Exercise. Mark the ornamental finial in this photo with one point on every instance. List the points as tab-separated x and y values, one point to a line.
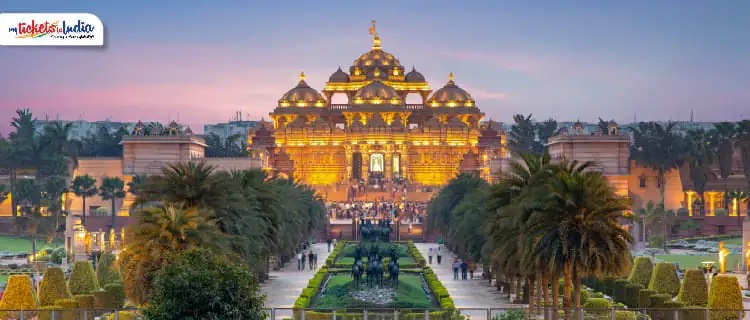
375	38
450	76
372	29
302	76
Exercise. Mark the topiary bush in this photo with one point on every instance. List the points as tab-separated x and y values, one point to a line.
585	295
632	294
665	280
726	294
106	272
669	304
656	302
618	293
68	307
82	279
18	295
694	289
53	287
115	294
643	297
643	267
625	315
598	303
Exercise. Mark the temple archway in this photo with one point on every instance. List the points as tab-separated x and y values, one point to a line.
377	166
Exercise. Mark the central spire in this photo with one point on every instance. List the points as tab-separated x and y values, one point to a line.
375	38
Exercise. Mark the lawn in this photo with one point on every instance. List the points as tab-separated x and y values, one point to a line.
17	244
401	260
3	280
410	294
694	261
734	241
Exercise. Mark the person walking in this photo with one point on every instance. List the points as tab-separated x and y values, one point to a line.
299	260
456	265
329	244
303	260
472	267
310	257
429	255
439	256
464	268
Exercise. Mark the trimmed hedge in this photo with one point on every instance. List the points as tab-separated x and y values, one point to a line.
618	293
598	303
669	304
656	302
725	294
625	315
68	307
643	297
694	289
115	294
665	280
82	279
18	295
632	294
106	272
53	287
643	267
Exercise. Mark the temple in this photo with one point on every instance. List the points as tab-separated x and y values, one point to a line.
376	137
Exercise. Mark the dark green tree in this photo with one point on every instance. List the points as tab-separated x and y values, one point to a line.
522	136
722	138
701	156
658	147
84	186
112	188
545	130
743	143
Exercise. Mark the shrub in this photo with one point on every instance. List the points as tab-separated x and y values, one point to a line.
656	302
618	293
683	212
82	279
725	294
598	303
122	315
18	295
67	306
643	267
625	315
45	313
53	287
609	285
669	304
85	301
665	280
643	297
656	242
692	313
721	212
106	272
631	294
115	295
585	295
512	314
694	289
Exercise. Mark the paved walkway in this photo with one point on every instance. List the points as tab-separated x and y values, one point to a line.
475	293
286	284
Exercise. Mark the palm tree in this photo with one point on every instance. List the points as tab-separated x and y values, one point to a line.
743	142
522	137
84	186
738	196
112	189
544	131
722	136
700	157
136	183
658	147
440	208
193	184
53	190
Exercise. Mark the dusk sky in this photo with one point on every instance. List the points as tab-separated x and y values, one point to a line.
203	60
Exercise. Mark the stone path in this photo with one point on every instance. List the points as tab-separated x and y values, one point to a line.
285	285
475	293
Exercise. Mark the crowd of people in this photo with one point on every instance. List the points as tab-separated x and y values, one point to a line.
310	257
408	212
360	187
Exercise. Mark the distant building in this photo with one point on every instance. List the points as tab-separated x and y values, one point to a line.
81	129
228	129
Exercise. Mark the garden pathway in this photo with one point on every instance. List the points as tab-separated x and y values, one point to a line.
475	293
286	284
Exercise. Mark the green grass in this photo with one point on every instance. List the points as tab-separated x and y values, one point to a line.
401	260
734	241
694	261
17	244
3	280
410	294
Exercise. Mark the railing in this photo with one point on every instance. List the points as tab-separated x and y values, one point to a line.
414	106
339	106
521	311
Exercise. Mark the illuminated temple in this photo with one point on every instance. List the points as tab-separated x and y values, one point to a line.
376	136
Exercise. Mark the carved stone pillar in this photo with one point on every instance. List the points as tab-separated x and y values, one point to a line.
365	162
425	96
349	162
388	164
329	95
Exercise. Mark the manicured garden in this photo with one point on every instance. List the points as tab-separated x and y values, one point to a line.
18	244
694	261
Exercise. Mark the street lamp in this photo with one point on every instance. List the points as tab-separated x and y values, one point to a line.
398	229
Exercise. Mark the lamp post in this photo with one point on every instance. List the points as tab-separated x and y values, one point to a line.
398	229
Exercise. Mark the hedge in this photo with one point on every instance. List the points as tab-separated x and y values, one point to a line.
656	302
53	287
694	289
68	307
609	285
106	272
85	301
632	294
669	304
618	293
598	303
725	294
82	279
18	295
643	297
625	315
643	267
115	294
122	315
665	280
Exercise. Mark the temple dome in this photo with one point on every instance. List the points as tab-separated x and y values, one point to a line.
377	92
376	58
451	95
414	76
302	96
339	76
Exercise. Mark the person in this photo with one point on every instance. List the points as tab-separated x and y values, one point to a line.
315	255
329	244
429	255
439	256
299	261
472	266
464	268
310	256
456	265
303	260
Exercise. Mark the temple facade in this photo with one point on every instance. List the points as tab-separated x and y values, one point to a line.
376	136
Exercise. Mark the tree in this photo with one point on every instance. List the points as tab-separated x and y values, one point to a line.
193	277
739	197
229	147
112	189
440	208
136	184
722	137
53	190
545	130
84	186
700	157
522	137
3	193
655	215
743	142
194	184
690	226
656	146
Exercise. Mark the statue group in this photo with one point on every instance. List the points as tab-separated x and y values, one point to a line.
375	268
370	232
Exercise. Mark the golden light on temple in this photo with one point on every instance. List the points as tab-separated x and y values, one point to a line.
450	76
302	76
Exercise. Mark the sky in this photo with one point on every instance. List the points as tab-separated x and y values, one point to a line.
200	61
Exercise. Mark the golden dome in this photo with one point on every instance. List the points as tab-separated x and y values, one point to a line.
302	96
414	76
451	95
367	63
377	92
339	76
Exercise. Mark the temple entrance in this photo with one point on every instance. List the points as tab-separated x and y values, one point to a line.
377	167
357	165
